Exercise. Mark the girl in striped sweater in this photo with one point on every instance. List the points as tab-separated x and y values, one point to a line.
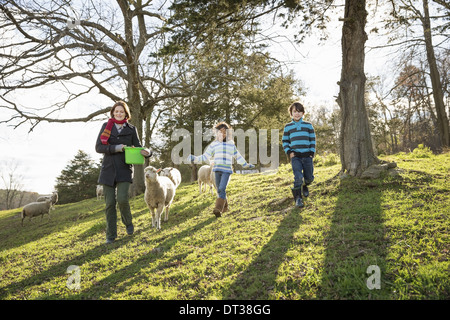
221	152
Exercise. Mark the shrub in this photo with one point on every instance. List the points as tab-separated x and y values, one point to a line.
421	152
330	159
326	160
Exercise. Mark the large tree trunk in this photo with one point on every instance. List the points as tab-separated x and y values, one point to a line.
138	186
137	120
133	92
356	149
438	96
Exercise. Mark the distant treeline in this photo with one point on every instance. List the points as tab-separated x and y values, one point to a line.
20	199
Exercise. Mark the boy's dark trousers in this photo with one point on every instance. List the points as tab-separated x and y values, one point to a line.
303	169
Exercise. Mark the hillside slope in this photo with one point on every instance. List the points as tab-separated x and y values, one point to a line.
264	248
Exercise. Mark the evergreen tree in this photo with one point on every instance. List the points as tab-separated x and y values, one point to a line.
78	179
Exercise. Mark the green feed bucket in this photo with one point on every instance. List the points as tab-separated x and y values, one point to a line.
134	156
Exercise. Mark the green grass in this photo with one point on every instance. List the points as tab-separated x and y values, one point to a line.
264	248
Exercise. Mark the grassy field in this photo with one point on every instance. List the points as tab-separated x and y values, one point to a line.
264	248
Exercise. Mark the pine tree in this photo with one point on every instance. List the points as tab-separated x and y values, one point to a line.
78	179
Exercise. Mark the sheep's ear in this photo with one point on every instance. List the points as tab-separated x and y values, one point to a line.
158	170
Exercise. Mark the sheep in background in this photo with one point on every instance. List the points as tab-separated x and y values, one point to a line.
42	198
35	209
99	191
53	198
206	177
173	174
159	194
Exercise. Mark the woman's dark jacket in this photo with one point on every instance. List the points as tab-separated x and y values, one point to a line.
114	169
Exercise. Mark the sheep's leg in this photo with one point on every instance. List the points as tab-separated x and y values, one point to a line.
152	211
166	216
158	216
200	187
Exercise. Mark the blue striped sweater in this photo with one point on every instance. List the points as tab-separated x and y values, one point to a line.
299	137
222	154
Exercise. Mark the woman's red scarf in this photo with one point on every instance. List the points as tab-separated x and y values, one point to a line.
107	132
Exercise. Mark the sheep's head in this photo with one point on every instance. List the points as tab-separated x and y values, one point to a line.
151	173
166	171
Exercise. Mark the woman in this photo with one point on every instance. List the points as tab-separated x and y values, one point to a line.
115	174
221	152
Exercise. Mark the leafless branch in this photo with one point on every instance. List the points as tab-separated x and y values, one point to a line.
106	51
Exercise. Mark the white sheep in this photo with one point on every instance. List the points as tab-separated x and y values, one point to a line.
99	191
43	198
53	198
35	209
159	194
206	177
173	174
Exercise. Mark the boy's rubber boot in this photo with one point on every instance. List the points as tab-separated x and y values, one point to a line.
220	203
305	190
297	193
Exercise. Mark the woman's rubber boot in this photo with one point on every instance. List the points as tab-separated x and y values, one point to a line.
220	203
297	193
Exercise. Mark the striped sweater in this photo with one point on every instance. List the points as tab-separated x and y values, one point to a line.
222	154
299	137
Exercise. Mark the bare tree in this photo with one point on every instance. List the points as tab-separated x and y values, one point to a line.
438	93
405	14
357	153
12	182
84	47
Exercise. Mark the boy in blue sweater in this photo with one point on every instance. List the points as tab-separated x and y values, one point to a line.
299	143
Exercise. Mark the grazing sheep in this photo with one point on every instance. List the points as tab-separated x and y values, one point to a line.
159	194
99	192
206	177
42	198
173	174
35	209
53	198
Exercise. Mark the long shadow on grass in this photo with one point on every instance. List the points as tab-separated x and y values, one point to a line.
60	269
16	235
259	278
103	288
355	242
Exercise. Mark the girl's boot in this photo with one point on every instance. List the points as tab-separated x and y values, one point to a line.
225	207
220	203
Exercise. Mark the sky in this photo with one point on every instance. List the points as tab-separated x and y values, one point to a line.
42	154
